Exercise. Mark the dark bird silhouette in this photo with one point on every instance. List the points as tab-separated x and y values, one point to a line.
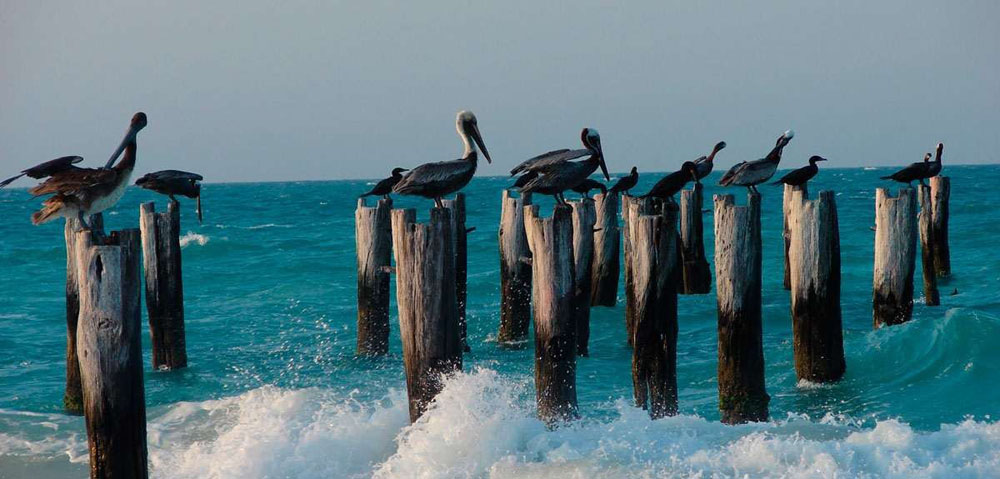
915	171
800	176
934	168
384	187
435	180
46	169
753	173
588	184
561	175
174	182
705	164
547	161
81	192
524	179
626	182
669	185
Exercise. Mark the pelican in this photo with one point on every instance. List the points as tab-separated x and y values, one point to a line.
588	184
174	182
626	183
81	192
434	180
669	185
524	179
546	161
800	176
384	187
915	171
558	174
705	164
46	169
753	173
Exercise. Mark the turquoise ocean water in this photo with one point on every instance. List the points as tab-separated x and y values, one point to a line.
274	389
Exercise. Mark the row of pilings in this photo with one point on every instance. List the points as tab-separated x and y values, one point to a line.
553	269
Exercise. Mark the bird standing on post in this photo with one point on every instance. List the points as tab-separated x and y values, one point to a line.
384	187
753	173
917	171
558	173
81	192
669	185
800	176
174	182
588	184
435	180
626	183
705	164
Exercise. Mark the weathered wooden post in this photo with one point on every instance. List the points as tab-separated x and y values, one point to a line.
110	354
460	237
928	248
654	355
940	193
742	396
630	209
551	243
425	297
515	271
695	273
584	218
814	263
607	249
161	261
373	241
73	396
895	255
786	206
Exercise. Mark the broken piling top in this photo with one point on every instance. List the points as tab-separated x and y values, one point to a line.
928	245
895	255
607	247
373	244
584	217
515	270
696	276
940	194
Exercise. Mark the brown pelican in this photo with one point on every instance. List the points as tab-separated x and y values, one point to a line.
558	174
915	171
669	185
46	169
753	173
800	176
545	161
81	192
384	187
588	184
174	182
524	179
705	164
434	180
626	183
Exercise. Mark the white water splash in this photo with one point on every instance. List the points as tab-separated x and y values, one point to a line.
192	237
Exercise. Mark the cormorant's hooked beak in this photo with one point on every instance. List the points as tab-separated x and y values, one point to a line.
821	159
129	138
479	142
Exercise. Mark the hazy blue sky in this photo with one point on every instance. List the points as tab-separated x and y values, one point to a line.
244	91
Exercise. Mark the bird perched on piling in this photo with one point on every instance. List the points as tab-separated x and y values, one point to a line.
753	173
524	179
174	182
800	176
588	184
435	180
669	185
626	182
557	174
915	171
934	168
705	164
384	187
81	192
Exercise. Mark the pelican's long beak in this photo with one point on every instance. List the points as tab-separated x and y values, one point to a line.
600	159
479	142
129	136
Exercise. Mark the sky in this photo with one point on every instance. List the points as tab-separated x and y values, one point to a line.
293	90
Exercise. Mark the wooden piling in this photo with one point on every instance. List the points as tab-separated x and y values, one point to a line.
373	242
786	234
695	273
73	396
584	218
895	255
425	297
814	263
925	227
607	249
940	194
742	396
655	271
110	355
630	209
461	240
515	271
551	243
161	261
